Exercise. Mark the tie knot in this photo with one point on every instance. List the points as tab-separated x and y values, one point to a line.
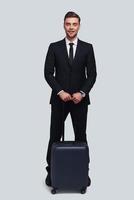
71	44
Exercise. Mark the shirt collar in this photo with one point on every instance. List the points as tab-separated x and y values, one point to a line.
68	41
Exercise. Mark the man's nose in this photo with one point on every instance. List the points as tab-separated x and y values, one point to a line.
71	26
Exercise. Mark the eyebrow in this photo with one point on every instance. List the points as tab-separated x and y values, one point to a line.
71	23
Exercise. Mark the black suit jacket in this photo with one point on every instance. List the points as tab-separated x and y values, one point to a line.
61	75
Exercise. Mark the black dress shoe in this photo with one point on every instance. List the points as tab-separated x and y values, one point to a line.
89	181
48	180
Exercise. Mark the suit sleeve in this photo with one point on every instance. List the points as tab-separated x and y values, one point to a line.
49	69
91	71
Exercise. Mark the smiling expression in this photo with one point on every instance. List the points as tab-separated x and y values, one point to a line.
71	26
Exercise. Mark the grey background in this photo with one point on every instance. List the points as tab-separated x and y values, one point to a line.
26	29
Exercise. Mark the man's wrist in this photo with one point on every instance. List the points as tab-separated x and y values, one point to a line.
60	92
82	93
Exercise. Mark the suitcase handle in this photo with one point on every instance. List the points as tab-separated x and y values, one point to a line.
63	108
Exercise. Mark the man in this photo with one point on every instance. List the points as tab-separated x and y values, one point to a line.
70	71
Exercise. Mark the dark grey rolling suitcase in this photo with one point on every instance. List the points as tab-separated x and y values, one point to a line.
69	166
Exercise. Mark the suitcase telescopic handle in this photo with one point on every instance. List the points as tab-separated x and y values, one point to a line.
63	110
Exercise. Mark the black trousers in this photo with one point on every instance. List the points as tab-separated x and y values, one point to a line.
78	114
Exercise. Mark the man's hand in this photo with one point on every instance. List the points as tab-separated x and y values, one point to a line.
77	97
65	96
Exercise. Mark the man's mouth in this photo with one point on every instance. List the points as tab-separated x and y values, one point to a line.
71	31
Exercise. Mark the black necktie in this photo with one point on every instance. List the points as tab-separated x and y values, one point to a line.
71	52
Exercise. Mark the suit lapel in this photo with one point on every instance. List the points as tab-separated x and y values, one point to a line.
77	53
64	51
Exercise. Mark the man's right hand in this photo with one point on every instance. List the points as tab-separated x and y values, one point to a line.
65	96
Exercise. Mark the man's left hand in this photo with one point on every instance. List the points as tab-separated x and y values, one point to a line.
77	97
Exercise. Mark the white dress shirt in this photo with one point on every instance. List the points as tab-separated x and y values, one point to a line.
74	46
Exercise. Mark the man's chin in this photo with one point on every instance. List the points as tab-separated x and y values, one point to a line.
71	37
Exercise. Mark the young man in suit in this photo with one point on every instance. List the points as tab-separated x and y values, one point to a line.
70	70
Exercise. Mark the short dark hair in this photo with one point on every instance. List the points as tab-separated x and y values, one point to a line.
72	14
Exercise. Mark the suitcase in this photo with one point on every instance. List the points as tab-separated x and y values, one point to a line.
69	165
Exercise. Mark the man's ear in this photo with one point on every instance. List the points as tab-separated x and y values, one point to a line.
79	26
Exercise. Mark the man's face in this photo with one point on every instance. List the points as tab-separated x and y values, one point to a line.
71	26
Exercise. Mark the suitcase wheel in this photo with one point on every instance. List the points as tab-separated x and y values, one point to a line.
53	191
83	191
